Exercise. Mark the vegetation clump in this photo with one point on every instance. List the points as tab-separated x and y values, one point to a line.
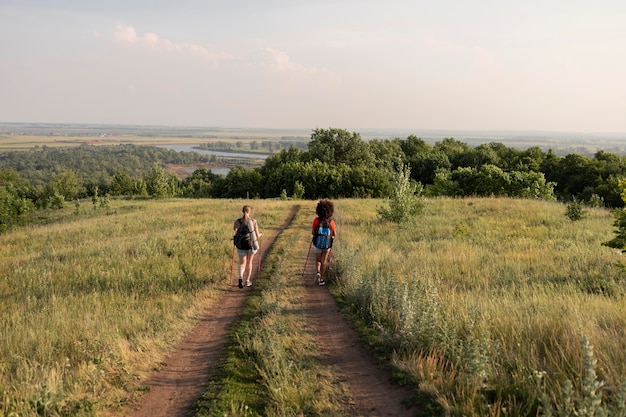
405	202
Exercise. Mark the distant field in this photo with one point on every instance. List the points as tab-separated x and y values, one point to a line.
26	135
16	136
17	142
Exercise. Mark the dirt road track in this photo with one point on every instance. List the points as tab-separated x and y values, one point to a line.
175	388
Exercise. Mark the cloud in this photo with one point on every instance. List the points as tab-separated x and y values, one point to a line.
280	61
149	40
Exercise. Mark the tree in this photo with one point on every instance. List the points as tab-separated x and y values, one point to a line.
424	166
201	184
13	208
530	184
160	184
242	183
67	184
414	146
121	184
338	146
619	241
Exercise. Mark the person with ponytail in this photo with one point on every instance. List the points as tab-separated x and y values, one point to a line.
246	224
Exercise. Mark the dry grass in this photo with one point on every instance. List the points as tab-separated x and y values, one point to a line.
91	303
490	291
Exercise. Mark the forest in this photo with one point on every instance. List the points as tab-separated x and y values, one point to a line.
337	163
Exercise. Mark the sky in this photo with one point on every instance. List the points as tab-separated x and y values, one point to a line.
539	65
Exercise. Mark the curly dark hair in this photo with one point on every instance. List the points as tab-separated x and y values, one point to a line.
325	209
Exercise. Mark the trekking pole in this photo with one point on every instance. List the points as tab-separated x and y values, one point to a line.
232	262
307	257
258	274
330	261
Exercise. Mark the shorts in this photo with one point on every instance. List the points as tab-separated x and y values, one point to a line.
244	252
318	250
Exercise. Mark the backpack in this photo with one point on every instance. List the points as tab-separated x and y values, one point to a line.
323	238
242	238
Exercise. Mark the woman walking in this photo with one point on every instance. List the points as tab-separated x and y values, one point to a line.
246	237
324	231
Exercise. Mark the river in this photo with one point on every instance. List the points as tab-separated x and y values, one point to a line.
225	154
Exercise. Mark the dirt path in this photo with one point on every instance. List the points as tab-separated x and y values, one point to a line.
369	383
174	389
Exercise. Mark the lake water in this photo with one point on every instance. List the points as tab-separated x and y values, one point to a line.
190	148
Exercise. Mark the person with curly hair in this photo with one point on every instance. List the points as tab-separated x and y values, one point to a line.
324	210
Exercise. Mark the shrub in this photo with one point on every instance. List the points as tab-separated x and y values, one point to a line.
575	211
406	201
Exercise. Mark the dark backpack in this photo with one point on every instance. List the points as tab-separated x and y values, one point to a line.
242	238
323	235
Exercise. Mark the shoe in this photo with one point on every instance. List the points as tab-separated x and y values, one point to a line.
322	282
240	283
248	283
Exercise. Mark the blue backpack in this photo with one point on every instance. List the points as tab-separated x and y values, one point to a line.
323	235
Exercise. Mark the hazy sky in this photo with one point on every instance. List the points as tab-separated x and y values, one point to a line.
554	65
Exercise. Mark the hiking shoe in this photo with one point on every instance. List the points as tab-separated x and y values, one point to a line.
248	283
240	283
322	282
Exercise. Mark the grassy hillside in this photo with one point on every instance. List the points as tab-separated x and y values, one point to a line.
485	303
491	305
91	301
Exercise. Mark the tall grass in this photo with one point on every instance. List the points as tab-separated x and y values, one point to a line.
479	296
91	302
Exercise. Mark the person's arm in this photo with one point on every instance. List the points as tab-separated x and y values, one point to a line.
256	230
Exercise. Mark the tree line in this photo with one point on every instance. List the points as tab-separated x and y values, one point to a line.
337	163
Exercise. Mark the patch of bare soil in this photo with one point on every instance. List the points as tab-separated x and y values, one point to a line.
175	388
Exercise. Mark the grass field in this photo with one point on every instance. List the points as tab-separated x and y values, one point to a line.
489	304
485	303
16	137
91	302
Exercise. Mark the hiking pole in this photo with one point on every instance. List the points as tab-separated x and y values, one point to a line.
258	274
307	257
330	261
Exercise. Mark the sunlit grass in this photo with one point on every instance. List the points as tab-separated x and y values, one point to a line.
91	302
473	300
488	291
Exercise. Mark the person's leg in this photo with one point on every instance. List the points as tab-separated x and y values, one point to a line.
249	258
242	268
321	266
318	259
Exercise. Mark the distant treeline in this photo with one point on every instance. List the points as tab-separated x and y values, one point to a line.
269	146
336	164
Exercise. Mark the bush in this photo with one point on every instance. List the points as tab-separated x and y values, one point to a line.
575	211
406	201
